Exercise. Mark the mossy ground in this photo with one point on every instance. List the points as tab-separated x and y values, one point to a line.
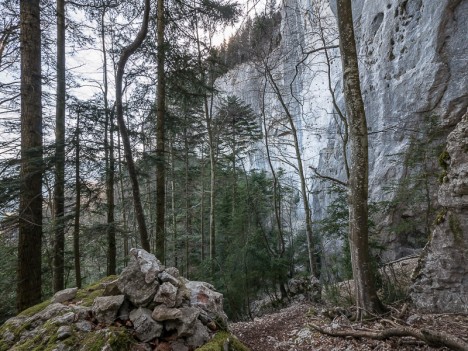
117	338
220	339
46	337
89	293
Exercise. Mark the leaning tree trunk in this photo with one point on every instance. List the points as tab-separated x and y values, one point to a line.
313	257
59	186
160	140
367	301
124	56
30	207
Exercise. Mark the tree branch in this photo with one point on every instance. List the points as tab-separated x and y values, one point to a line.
334	180
430	337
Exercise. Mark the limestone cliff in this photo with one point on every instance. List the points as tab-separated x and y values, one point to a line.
414	81
442	279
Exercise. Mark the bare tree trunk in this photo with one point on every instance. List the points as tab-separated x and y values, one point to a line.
173	207
124	56
212	188
160	139
308	214
76	226
276	199
126	249
110	162
30	207
212	155
188	219
202	206
367	301
59	186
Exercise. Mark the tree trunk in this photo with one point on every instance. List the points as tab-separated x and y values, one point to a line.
300	169
212	190
276	193
160	139
367	301
126	249
175	252
124	56
212	155
76	226
110	162
202	206
188	218
30	207
59	197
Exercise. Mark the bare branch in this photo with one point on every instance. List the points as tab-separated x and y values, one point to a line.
430	337
334	180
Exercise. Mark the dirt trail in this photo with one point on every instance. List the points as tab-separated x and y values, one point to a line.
287	330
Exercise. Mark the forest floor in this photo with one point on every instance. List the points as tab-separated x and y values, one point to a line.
289	330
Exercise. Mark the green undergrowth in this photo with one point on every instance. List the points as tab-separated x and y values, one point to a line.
221	339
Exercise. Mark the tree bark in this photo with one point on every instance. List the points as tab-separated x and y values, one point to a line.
160	139
76	226
30	208
124	56
59	186
110	162
367	301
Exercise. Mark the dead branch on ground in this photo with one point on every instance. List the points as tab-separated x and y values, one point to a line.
430	337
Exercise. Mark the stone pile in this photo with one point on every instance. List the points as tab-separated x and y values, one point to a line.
148	307
161	304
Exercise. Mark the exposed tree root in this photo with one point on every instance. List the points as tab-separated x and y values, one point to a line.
432	338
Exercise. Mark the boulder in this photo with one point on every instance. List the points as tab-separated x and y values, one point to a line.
133	283
66	318
148	264
163	313
112	288
105	308
166	277
173	271
64	332
204	296
200	335
166	294
146	328
64	295
84	326
185	325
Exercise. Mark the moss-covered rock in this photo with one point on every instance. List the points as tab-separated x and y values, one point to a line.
224	341
71	324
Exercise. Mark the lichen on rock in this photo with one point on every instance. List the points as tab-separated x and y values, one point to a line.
146	305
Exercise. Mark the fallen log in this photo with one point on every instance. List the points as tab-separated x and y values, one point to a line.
430	337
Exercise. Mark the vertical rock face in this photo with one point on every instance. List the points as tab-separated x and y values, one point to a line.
441	283
413	78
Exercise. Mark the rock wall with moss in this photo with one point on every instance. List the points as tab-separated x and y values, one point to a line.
148	307
441	283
